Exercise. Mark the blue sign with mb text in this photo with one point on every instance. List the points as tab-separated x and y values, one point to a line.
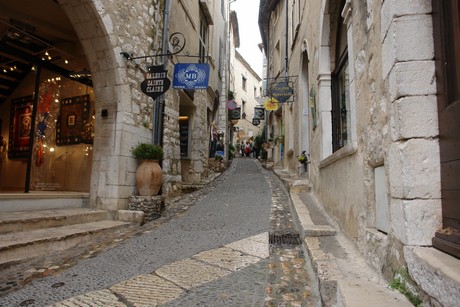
191	76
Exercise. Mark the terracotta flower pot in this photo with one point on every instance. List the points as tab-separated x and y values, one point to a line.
149	178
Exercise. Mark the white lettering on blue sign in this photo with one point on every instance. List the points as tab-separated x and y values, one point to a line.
191	76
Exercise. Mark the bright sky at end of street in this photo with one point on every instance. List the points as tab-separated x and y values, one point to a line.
248	24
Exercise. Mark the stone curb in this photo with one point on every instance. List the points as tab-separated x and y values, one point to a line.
340	278
339	269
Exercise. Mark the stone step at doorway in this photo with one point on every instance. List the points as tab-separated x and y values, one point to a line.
28	234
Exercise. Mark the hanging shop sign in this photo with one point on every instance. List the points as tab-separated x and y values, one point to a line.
281	91
191	76
234	114
259	113
231	105
271	104
156	81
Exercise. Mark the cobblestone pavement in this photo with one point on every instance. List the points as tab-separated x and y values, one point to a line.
210	248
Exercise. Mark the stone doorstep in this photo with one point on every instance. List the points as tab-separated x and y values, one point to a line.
24	245
33	220
42	200
437	273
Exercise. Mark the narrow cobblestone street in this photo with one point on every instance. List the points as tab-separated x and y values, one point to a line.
210	248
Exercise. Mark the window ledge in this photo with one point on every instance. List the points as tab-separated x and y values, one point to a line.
343	152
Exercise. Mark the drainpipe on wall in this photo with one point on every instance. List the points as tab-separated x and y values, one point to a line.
286	63
159	105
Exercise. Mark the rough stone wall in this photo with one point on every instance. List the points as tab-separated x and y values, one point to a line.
106	28
187	21
394	125
200	137
171	165
413	155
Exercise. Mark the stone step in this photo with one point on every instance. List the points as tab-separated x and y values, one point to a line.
42	200
32	220
344	278
300	186
19	246
352	294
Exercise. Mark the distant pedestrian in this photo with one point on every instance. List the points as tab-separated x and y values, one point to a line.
248	149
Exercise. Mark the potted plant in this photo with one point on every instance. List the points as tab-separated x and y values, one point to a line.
149	175
279	140
302	158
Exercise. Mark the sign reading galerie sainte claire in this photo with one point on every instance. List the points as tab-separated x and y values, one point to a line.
191	76
281	91
156	81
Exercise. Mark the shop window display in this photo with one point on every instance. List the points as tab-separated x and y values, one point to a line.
62	137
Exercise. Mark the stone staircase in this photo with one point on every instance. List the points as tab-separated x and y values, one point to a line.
28	234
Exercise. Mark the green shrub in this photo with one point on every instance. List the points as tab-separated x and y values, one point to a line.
145	151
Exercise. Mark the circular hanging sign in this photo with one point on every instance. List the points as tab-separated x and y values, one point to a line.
232	105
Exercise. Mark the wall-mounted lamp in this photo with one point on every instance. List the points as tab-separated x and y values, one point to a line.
127	56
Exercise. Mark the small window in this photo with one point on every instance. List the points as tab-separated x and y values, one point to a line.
184	129
203	39
341	90
243	82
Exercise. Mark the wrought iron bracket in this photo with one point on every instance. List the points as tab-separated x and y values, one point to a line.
177	43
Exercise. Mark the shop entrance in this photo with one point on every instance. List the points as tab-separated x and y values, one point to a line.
46	101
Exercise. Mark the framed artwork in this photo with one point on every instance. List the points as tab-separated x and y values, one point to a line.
20	127
73	117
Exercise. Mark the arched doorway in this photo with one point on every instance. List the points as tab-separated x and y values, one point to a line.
47	100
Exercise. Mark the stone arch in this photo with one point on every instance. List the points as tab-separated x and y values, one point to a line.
93	22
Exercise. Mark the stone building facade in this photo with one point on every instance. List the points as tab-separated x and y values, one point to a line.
369	107
112	44
246	94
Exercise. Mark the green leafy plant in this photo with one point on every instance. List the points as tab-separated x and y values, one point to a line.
400	283
218	157
279	140
145	151
231	151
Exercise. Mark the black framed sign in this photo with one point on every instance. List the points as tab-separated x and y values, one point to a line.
73	117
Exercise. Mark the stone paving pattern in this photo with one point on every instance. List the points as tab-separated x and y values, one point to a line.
210	248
